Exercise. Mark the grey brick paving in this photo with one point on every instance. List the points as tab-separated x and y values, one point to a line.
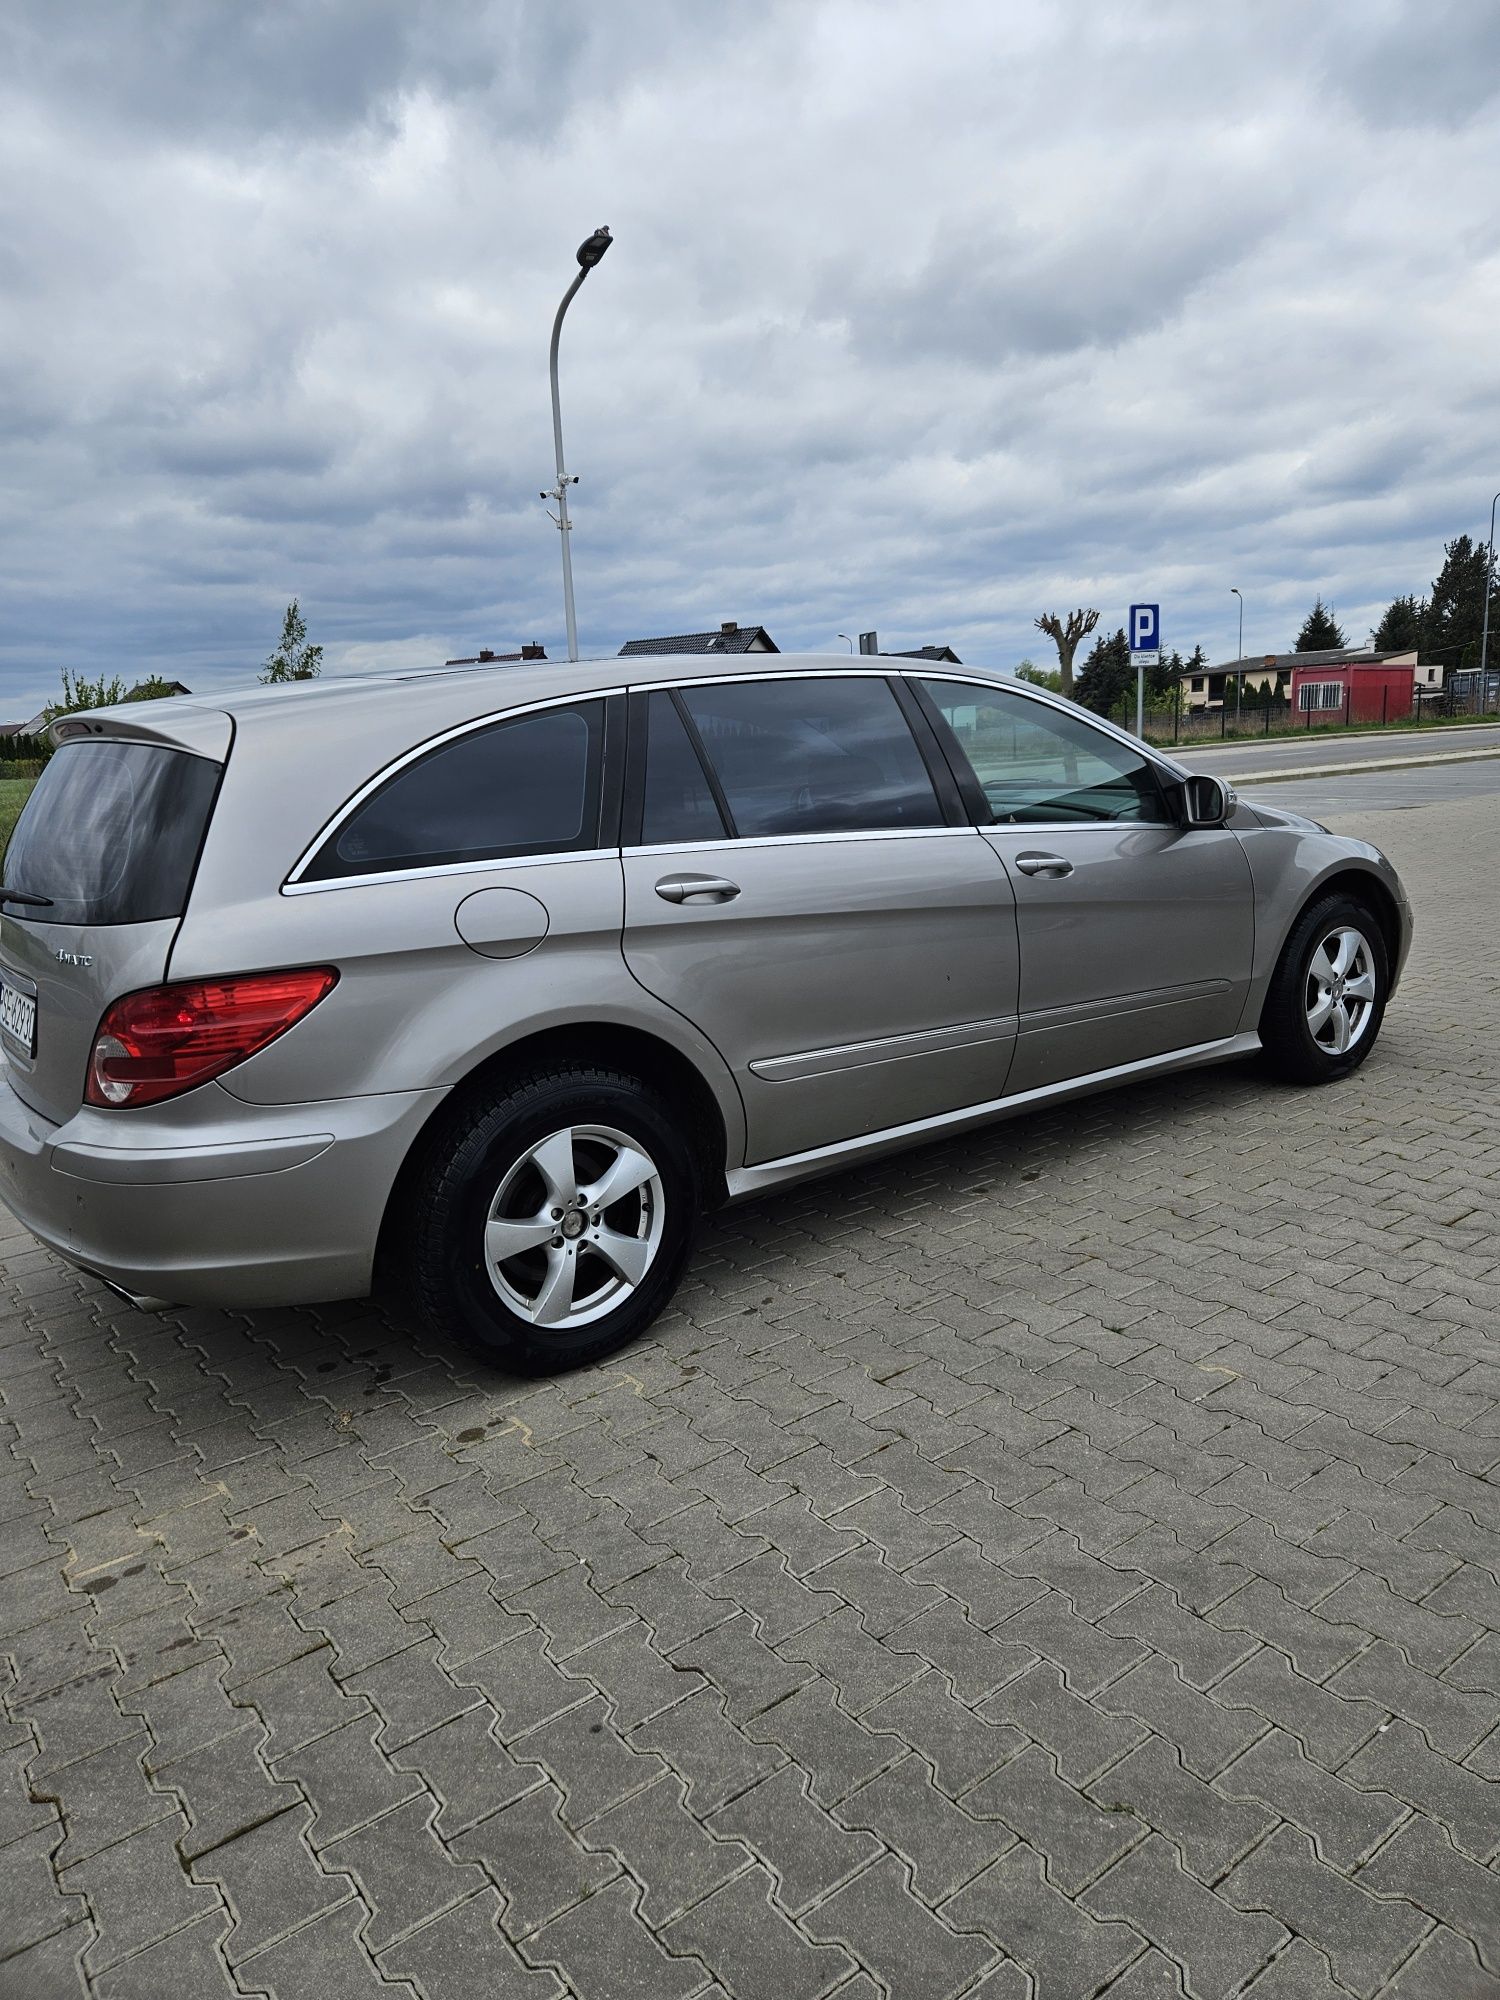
1059	1563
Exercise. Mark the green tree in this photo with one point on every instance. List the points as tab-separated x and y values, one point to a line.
1039	676
1320	632
1402	625
79	693
1455	610
1106	677
294	659
1065	634
1162	680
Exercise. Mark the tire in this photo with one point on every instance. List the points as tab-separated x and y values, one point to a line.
504	1252
1316	1029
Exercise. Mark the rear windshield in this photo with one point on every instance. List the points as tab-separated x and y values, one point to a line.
111	834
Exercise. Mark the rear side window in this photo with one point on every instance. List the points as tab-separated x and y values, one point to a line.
813	756
111	833
1039	765
526	786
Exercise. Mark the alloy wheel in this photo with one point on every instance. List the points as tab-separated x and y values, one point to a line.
575	1226
1340	990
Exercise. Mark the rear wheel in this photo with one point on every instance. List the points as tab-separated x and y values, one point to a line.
552	1219
1327	996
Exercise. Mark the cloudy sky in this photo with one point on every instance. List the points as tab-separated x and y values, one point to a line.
924	317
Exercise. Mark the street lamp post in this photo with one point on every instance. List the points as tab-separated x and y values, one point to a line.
1239	679
589	253
846	639
1489	585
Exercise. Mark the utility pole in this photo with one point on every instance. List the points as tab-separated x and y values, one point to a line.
1239	659
589	253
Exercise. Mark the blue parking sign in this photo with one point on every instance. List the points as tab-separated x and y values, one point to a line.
1145	628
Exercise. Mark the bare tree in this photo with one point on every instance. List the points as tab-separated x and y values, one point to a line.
1065	634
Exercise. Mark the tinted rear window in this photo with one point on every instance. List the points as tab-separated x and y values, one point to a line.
111	833
813	756
526	786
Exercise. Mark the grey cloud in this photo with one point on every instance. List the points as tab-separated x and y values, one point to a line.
925	318
190	68
305	69
1000	288
1430	66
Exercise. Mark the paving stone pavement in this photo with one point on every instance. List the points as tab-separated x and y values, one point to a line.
1056	1563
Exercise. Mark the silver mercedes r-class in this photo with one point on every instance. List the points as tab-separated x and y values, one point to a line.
490	983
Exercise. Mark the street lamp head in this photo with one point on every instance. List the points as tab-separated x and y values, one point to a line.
593	248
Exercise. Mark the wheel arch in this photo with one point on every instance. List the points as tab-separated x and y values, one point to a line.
611	1044
1366	887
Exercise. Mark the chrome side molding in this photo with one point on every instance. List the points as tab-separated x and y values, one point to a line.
744	1181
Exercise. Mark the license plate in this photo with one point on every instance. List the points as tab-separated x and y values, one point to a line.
18	1017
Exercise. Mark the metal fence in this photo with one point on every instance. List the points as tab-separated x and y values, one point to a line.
1170	723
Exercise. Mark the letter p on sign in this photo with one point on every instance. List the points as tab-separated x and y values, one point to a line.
1145	628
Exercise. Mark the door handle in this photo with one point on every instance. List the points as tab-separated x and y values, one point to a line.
1043	864
696	889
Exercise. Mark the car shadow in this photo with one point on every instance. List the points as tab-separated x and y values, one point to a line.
355	1354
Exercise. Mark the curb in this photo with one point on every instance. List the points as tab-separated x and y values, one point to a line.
1359	770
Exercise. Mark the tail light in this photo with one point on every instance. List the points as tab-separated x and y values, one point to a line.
157	1043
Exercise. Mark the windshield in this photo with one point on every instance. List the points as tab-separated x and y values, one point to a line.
111	834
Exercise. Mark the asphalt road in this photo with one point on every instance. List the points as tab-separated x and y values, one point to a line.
1285	753
1376	790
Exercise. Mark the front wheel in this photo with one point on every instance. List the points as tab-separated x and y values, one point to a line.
1327	996
552	1219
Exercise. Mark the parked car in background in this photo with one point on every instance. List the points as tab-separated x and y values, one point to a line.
492	982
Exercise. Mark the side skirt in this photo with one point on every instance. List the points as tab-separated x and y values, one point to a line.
745	1181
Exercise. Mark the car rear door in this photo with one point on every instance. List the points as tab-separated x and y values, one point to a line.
1136	934
798	885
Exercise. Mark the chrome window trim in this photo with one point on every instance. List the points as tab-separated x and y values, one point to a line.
440	868
724	843
891	833
829	673
1062	826
887	671
330	827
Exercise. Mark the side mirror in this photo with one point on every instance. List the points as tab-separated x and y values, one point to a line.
1204	801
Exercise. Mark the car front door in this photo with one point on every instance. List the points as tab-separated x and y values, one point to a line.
799	883
1136	933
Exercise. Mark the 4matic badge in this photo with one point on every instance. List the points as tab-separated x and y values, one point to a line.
74	957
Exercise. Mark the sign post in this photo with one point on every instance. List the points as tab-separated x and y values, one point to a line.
1145	651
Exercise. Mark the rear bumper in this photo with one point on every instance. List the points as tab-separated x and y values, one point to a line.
214	1201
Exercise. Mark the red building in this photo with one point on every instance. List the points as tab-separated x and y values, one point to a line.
1353	691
